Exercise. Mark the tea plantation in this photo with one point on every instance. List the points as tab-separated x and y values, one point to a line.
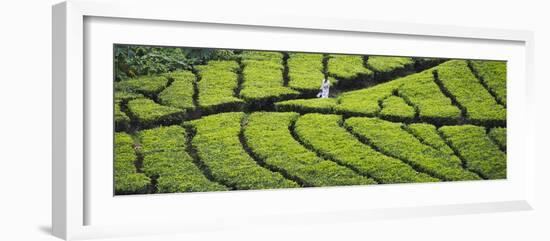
253	122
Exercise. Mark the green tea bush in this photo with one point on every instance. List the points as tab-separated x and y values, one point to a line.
122	121
148	113
268	136
498	134
480	106
176	172
126	178
493	73
180	93
386	67
324	134
125	155
396	109
149	86
305	72
166	160
429	135
218	146
276	57
348	69
217	85
134	183
263	78
366	101
319	105
475	147
124	96
422	63
390	138
162	138
422	91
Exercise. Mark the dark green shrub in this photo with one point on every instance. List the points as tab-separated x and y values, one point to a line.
475	147
480	106
324	134
493	73
122	121
305	72
148	113
217	85
390	138
421	63
180	93
268	136
135	60
219	148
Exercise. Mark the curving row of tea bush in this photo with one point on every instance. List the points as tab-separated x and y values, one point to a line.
149	86
324	134
395	108
349	70
137	96
219	148
180	93
479	152
305	72
386	67
493	73
390	138
126	178
498	134
460	82
269	138
217	85
267	150
148	113
263	81
166	160
428	135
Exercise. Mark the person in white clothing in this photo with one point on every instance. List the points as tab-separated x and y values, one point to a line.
325	89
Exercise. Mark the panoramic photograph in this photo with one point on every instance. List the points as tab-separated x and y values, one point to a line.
204	120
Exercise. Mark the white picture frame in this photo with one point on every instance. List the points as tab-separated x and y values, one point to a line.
74	198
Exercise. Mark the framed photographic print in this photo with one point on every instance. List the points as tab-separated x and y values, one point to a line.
206	122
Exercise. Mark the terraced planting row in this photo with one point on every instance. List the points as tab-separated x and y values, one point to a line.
266	150
446	94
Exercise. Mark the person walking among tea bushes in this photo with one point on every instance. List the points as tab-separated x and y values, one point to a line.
325	89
